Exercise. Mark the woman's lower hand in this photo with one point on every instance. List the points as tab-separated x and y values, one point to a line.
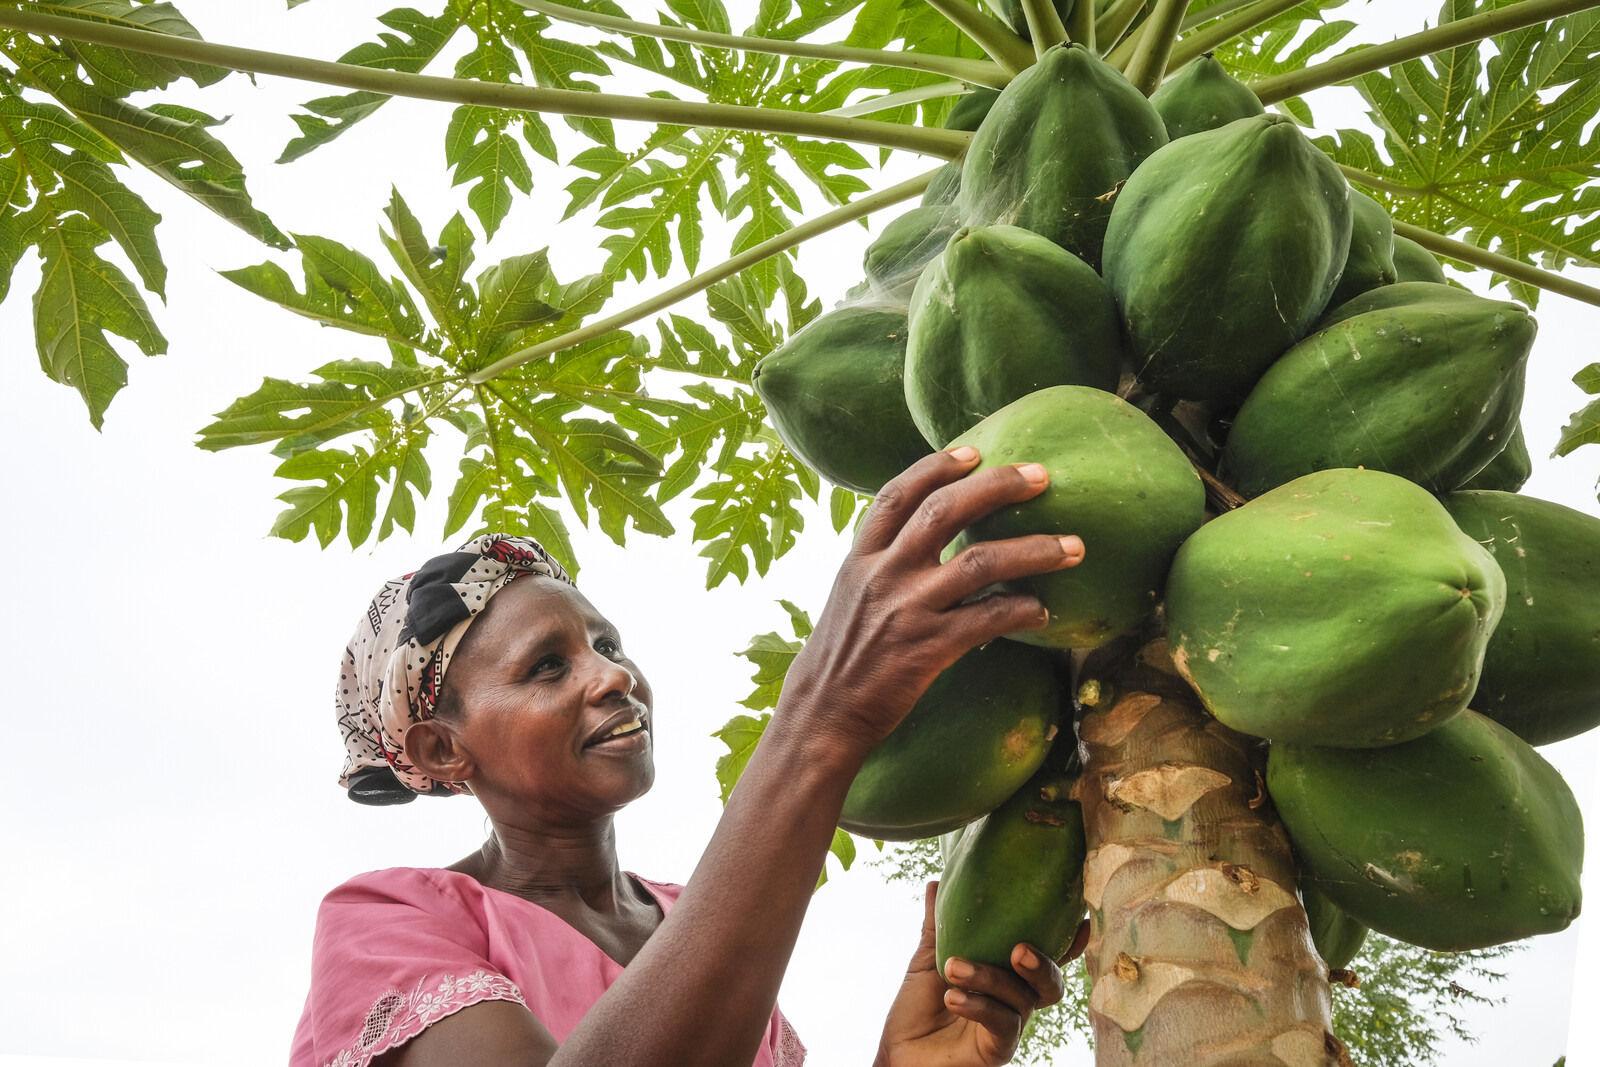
897	616
974	1020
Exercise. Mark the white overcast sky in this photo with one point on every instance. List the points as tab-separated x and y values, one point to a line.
173	820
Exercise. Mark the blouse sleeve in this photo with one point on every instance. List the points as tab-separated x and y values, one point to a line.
394	952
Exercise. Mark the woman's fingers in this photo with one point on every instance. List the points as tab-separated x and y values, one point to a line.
1041	974
951	508
983	564
1000	985
1003	1022
897	501
1080	941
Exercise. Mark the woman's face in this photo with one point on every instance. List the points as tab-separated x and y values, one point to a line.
556	717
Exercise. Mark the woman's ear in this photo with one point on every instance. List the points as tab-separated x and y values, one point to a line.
433	748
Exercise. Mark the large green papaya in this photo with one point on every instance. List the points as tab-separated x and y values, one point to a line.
1420	380
1460	839
1222	250
1344	608
1116	481
943	187
1203	96
836	394
980	731
1541	673
1059	139
1507	472
908	244
1336	936
1370	262
1001	313
1014	876
1413	263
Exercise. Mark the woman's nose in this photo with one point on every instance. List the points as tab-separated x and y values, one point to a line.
609	677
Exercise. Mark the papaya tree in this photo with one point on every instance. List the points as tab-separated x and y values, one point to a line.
1479	151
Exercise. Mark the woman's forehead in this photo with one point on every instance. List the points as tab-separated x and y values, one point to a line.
534	606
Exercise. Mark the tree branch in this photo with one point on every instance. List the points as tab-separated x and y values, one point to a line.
998	41
974	71
1109	28
1449	35
711	276
1505	265
900	99
1225	29
1083	28
1044	24
1149	63
945	144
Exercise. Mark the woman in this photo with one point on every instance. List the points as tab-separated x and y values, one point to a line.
515	955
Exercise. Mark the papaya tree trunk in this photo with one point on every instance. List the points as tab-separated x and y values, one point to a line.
1199	950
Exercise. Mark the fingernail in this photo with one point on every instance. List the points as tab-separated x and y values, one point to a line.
958	970
965	454
1072	547
1029	960
954	997
1034	472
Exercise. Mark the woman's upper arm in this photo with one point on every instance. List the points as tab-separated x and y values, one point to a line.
490	1033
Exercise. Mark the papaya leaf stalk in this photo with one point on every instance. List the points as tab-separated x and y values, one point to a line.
1109	28
1503	265
1083	26
1226	29
1149	62
944	144
900	99
998	41
1361	61
977	71
707	278
1044	25
1214	11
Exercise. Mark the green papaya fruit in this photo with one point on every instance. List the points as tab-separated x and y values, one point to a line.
1116	481
1371	259
1507	472
1059	139
944	186
1222	250
1001	313
1336	936
1460	839
1014	876
836	394
970	110
1011	12
1541	672
1203	96
1420	380
908	244
1344	608
980	731
1413	263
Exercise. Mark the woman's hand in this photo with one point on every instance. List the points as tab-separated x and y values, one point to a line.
975	1020
897	617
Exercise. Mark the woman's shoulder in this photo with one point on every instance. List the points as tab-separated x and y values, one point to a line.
427	888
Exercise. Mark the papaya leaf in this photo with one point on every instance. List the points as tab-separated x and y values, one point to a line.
510	301
351	487
1583	429
117	71
692	429
480	143
555	64
798	618
81	298
741	734
436	271
421	38
842	507
843	849
382	305
1501	152
814	158
608	164
751	516
764	193
670	214
88	186
1588	379
302	413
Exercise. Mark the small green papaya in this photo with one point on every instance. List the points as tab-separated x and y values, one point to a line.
970	110
1014	876
1507	472
1371	259
1541	672
1116	481
908	244
1001	313
1222	250
1203	96
1344	608
980	731
1336	936
1420	380
1413	263
1460	839
836	394
1059	139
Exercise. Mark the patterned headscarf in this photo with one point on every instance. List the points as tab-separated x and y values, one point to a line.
394	668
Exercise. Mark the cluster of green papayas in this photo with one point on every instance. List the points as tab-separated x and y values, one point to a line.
1153	296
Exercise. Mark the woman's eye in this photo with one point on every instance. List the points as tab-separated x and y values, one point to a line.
607	646
549	663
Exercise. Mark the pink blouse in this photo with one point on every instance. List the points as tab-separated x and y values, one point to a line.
399	949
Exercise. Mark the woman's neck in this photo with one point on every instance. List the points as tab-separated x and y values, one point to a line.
546	866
